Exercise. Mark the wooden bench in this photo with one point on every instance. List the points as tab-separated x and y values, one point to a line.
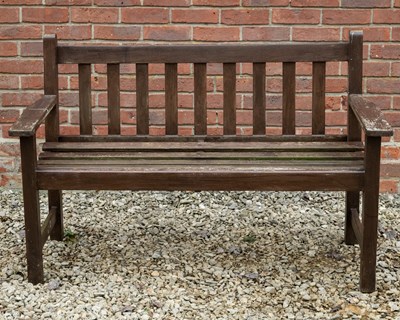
290	162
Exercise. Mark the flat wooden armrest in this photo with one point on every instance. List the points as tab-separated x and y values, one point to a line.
370	116
32	117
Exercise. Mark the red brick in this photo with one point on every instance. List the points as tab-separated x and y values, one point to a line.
20	32
396	69
390	152
144	15
65	32
315	34
8	49
376	69
216	34
390	169
42	15
9	82
166	33
383	86
265	3
315	3
19	99
397	3
94	15
162	3
20	2
31	49
9	15
385	51
117	32
8	115
21	66
365	3
195	16
117	3
290	16
266	33
387	16
393	118
388	186
216	3
68	2
370	34
396	34
245	16
348	16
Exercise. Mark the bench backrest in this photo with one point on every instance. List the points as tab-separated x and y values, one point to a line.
201	54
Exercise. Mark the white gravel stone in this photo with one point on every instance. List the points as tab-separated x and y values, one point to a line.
198	255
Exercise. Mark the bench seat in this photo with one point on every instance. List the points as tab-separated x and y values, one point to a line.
201	165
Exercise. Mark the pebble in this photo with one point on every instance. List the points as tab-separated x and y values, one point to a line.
198	255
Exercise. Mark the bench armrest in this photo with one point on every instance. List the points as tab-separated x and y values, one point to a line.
369	116
32	117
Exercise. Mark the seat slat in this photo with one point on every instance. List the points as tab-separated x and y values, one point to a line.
202	146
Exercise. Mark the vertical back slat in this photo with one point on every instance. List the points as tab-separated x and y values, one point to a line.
142	98
113	95
289	91
171	98
85	103
355	81
258	98
318	98
51	84
200	98
229	74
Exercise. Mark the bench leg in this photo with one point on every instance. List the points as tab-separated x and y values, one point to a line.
352	202
370	215
55	200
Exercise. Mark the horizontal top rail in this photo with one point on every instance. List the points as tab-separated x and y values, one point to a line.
205	53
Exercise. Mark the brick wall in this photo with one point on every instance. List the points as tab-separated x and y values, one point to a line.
23	23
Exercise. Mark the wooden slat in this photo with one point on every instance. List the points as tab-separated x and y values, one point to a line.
33	116
318	98
85	96
201	178
203	138
357	225
205	53
370	116
201	146
202	155
48	224
113	95
171	98
50	77
289	104
142	98
200	98
229	75
355	81
259	98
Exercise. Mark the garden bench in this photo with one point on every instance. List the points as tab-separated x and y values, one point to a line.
286	162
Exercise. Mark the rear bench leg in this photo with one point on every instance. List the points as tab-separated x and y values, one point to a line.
55	200
352	202
370	214
34	248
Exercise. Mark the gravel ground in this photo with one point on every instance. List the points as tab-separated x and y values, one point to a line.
205	255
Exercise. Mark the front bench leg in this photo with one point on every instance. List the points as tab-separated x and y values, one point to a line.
370	214
352	202
34	247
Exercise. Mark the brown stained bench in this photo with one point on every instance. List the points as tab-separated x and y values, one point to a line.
202	162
